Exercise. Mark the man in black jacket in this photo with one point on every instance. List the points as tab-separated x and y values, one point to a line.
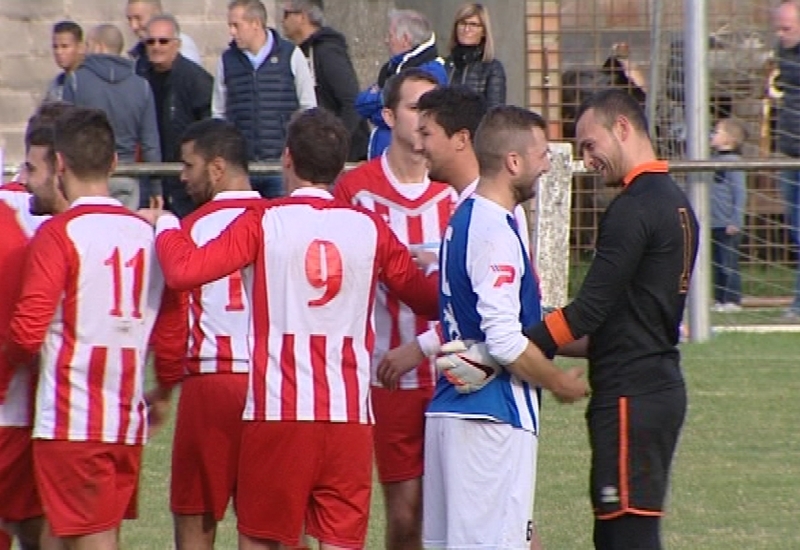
335	81
182	91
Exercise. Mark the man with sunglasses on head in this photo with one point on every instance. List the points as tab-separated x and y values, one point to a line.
182	93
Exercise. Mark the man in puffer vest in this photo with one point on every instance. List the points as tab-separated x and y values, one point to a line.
261	81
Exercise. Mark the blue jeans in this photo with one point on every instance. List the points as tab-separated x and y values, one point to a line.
790	191
725	261
269	187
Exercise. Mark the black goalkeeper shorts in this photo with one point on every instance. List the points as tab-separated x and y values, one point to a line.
632	447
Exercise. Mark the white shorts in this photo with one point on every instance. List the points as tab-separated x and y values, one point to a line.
477	490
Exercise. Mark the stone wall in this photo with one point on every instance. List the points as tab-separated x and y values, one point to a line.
26	63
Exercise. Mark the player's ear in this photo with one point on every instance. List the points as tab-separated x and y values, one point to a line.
462	139
61	165
114	162
512	162
388	116
216	168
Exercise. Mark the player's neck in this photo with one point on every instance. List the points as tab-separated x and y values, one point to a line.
463	172
497	192
75	190
236	184
406	165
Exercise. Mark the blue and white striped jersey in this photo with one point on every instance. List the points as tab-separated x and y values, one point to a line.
487	292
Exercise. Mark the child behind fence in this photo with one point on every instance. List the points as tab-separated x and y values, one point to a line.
728	198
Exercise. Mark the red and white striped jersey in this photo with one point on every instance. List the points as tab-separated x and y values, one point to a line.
16	384
15	195
91	295
418	215
220	334
315	263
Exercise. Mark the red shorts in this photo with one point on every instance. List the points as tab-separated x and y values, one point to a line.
86	487
317	474
19	499
205	452
399	432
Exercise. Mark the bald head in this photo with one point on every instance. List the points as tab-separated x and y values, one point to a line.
786	23
106	39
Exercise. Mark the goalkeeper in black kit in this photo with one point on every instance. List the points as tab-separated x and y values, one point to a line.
630	306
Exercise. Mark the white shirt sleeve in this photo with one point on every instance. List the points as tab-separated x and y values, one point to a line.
219	92
303	82
429	342
189	49
496	267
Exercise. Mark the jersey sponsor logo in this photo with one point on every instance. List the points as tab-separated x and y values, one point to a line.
505	274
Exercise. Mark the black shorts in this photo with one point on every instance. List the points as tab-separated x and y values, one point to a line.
632	447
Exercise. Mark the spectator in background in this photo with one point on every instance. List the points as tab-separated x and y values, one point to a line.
262	79
182	93
786	20
412	43
106	81
471	62
335	80
139	13
68	52
728	199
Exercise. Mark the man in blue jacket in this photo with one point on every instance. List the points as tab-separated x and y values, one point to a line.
107	81
412	43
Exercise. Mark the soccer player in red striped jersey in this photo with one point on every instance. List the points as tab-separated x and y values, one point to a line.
397	187
208	426
306	455
21	213
90	296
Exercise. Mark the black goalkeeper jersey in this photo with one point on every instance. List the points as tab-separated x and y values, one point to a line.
632	300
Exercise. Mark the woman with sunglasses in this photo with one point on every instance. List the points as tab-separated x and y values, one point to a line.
471	61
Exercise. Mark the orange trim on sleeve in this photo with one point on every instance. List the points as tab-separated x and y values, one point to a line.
653	166
559	329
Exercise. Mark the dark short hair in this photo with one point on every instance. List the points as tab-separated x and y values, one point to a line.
504	129
319	144
39	131
391	90
611	103
85	139
217	138
71	27
454	108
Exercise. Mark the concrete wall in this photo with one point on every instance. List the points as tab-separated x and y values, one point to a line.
508	30
26	63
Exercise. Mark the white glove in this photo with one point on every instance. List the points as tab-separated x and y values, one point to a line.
467	365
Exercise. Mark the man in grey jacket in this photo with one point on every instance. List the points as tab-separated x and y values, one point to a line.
107	81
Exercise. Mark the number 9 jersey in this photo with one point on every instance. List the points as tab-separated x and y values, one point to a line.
315	263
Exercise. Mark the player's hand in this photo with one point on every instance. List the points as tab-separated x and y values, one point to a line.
158	403
573	386
467	365
151	215
157	202
397	362
731	230
425	258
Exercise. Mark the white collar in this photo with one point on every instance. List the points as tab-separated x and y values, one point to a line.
312	192
95	200
467	192
225	195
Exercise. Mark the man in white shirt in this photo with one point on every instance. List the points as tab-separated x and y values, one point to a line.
261	80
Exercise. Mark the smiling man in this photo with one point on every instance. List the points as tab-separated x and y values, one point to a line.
182	93
630	305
